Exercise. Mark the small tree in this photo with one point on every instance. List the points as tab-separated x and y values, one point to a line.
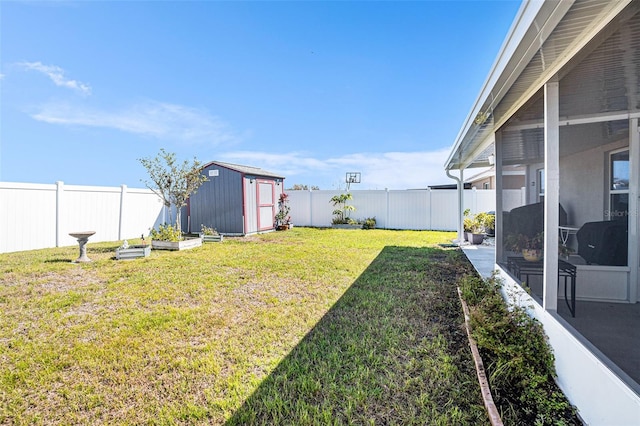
173	182
341	213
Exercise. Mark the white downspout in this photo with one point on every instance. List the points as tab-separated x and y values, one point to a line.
460	186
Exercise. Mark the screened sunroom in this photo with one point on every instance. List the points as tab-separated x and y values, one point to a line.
563	102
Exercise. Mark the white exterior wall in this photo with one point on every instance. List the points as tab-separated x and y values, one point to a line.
34	216
611	402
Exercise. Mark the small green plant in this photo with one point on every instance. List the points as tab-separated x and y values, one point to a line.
341	213
518	358
467	222
488	222
369	223
479	223
166	232
205	230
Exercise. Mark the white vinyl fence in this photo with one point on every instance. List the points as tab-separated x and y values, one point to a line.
34	216
428	209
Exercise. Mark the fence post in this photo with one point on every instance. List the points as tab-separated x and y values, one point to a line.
387	220
59	206
123	191
430	209
310	207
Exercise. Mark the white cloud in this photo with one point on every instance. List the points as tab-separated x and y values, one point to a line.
56	74
392	170
154	119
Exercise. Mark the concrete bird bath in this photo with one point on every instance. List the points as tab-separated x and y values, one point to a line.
82	237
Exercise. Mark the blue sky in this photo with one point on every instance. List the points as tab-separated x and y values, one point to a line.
310	90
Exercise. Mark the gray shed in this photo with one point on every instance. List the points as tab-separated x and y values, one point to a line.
236	200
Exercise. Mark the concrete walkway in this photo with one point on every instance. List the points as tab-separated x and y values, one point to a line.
482	257
608	329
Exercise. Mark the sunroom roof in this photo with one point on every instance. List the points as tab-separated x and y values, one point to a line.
544	38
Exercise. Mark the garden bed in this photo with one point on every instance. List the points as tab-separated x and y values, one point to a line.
186	244
133	252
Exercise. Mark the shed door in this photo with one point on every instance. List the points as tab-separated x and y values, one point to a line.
266	204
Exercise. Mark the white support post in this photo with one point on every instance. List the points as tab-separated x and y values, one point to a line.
633	236
552	194
499	201
461	204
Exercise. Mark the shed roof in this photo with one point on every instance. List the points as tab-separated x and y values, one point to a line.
247	170
543	39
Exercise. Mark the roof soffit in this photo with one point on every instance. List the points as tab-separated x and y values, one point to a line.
553	37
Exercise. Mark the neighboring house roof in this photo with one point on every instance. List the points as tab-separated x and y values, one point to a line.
247	170
467	185
543	40
507	170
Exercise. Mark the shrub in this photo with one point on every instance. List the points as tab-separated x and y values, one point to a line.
206	230
369	223
517	356
166	232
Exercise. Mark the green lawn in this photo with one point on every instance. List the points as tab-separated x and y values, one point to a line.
306	326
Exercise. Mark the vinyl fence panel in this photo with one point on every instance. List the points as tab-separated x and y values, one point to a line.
87	208
27	216
513	198
409	210
396	209
34	216
141	211
444	211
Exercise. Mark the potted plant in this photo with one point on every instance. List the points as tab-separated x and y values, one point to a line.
488	221
210	235
476	233
169	237
530	247
283	219
467	224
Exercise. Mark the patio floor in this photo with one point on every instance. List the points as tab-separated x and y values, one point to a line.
610	330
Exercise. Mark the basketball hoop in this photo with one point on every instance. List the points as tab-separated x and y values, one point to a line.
352	177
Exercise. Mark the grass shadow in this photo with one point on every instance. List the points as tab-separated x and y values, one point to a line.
391	350
59	260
